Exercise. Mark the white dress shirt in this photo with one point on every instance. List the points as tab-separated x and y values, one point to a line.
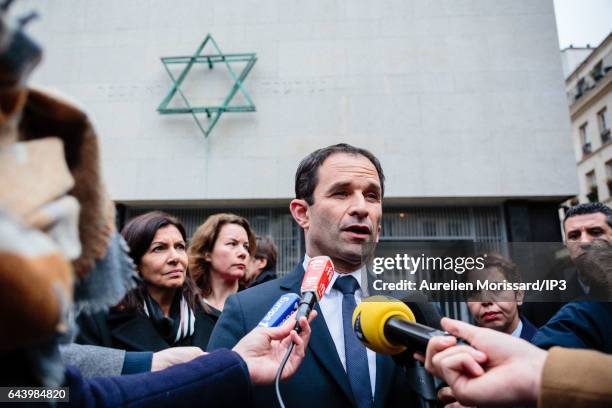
331	308
518	330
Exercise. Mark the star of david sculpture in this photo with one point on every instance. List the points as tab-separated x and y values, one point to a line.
213	112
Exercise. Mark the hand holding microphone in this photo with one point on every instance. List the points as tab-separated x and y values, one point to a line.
268	348
513	366
264	347
317	276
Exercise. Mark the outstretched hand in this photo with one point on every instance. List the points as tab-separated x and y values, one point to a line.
497	369
264	348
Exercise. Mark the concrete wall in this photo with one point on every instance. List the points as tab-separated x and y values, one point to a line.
457	98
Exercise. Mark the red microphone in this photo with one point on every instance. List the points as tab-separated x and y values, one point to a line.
318	273
316	279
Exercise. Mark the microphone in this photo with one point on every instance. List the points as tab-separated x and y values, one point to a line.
388	326
284	306
316	279
317	276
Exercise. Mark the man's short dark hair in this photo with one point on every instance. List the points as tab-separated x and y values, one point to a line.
589	208
306	176
266	249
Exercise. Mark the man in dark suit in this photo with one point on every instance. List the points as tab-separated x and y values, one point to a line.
585	324
339	191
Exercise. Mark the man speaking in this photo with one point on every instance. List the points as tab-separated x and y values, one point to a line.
338	203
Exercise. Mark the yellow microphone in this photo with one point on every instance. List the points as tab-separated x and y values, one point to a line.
388	326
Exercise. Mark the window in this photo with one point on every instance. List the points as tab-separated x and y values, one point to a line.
591	185
584	139
454	229
597	71
580	88
604	125
429	228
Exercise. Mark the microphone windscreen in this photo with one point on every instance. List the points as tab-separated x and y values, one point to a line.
370	317
280	311
317	276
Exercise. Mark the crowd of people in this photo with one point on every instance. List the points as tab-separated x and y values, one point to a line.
152	317
186	301
115	318
206	297
193	296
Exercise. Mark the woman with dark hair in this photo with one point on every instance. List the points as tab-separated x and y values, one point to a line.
218	257
165	308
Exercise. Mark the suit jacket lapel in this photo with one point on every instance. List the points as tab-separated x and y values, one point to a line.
321	344
385	371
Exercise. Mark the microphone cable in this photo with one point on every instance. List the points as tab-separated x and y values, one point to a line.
279	397
317	276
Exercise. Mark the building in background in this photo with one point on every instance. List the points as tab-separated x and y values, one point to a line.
572	56
463	102
589	92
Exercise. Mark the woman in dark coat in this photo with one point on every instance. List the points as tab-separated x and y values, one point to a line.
165	309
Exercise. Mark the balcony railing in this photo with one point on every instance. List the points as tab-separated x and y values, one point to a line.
586	148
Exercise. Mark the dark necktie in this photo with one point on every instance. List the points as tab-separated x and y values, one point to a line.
354	351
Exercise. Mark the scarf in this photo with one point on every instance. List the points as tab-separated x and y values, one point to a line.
178	325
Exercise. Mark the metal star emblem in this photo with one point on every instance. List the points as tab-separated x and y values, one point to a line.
212	112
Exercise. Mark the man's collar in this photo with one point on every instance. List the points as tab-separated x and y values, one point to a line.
585	288
518	330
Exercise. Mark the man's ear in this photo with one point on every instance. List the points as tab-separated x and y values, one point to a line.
300	211
261	263
378	233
